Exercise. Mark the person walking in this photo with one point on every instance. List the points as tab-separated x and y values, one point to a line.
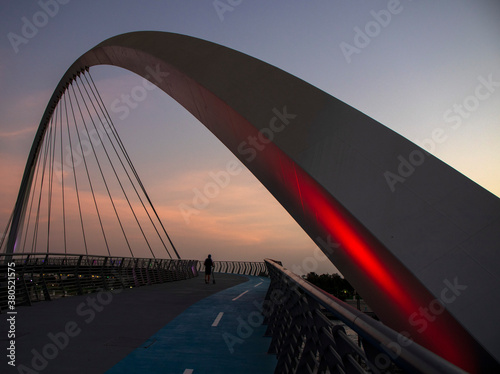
209	264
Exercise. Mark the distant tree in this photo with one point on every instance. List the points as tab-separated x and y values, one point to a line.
333	284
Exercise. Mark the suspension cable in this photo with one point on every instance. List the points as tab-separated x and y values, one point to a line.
62	181
86	166
44	205
31	199
4	233
74	169
42	182
51	179
116	174
129	161
104	122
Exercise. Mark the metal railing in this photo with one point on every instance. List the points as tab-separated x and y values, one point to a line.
306	341
39	277
237	267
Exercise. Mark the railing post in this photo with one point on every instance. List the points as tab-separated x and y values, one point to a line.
59	275
195	265
161	271
78	279
148	272
120	273
23	280
44	284
134	273
103	273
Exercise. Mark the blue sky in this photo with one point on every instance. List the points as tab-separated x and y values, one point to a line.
428	70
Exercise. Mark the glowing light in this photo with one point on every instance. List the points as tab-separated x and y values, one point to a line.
364	250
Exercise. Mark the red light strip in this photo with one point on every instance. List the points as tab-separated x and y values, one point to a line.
362	250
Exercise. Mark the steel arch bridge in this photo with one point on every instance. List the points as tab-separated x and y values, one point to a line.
417	239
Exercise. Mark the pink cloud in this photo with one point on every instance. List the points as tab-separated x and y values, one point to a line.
21	132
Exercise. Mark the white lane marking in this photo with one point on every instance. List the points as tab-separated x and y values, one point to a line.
237	297
188	371
217	319
258	284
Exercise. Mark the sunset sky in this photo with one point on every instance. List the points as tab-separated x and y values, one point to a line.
429	71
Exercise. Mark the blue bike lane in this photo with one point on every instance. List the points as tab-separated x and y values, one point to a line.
219	334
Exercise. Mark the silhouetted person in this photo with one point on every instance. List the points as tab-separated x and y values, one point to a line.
208	268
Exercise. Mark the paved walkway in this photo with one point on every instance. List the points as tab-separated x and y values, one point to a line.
99	332
220	334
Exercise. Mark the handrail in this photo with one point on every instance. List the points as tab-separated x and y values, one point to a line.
238	267
45	276
410	356
51	254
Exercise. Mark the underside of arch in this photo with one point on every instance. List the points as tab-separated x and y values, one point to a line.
417	239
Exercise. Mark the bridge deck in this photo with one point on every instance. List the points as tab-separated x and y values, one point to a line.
163	328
